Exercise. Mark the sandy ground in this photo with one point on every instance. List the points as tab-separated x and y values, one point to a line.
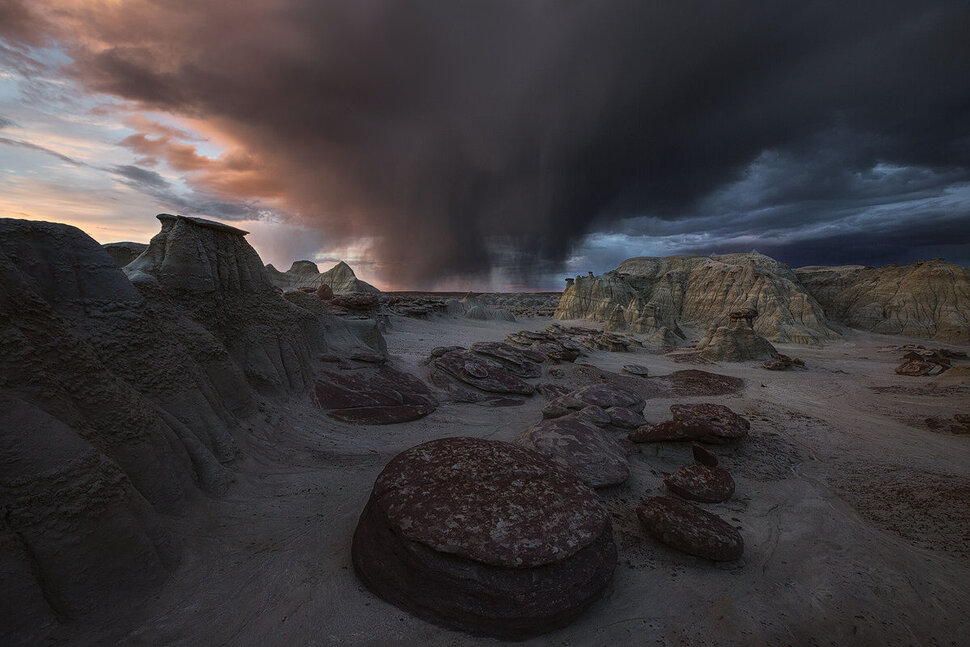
855	515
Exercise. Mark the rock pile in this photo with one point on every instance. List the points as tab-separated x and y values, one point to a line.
505	544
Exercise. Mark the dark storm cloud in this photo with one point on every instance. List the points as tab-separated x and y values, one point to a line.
463	134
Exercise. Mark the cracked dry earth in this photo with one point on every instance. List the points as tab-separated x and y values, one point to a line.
855	518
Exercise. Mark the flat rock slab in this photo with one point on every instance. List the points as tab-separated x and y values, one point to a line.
521	362
578	444
374	396
701	483
636	369
485	537
625	418
481	372
686	527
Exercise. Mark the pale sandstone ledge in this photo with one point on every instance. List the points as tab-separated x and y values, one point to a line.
928	299
650	294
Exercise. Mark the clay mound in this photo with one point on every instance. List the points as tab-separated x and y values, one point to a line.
647	294
928	299
306	275
736	342
121	397
505	544
577	443
124	252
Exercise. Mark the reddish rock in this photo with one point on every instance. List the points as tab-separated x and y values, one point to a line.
325	292
916	368
505	544
686	527
481	372
701	483
661	431
703	383
374	396
703	456
578	444
711	423
777	363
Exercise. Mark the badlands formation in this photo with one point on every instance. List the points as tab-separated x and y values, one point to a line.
694	450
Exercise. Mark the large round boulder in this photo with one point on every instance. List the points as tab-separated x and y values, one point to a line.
484	536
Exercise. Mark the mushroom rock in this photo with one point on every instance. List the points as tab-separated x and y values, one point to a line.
505	544
578	444
688	528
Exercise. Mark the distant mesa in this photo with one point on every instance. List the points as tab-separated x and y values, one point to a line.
306	275
657	295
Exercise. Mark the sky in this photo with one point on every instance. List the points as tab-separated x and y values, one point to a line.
496	144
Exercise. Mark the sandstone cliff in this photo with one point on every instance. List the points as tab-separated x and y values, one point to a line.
928	299
646	295
306	274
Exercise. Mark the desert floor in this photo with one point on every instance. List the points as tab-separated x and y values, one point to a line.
855	515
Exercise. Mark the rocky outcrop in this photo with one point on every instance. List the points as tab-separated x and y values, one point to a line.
122	393
647	295
688	528
306	275
929	299
504	544
125	252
